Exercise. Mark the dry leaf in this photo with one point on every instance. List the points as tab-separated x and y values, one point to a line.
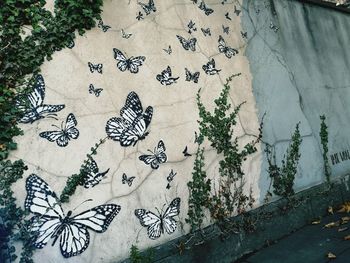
345	208
330	255
332	224
347	237
342	229
316	222
330	210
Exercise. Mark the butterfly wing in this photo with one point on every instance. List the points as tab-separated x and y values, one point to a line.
115	127
192	44
70	130
135	62
169	223
132	108
97	218
160	154
74	240
183	42
75	237
55	136
43	202
151	221
94	179
150	160
122	64
222	45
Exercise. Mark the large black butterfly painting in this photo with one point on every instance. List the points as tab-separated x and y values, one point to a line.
36	109
132	125
49	220
65	134
132	64
157	157
163	222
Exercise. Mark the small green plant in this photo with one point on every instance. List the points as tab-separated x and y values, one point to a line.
324	143
199	189
137	257
78	179
283	177
218	128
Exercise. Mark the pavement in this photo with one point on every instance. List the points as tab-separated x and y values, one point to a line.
310	244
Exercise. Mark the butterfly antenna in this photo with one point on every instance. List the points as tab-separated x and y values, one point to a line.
53	125
88	200
52	116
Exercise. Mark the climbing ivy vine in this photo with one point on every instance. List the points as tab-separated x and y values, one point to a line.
218	128
29	35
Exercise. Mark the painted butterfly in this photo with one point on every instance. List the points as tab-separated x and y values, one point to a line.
157	157
165	77
49	220
65	134
210	69
225	29
192	76
125	35
207	10
95	67
127	180
185	152
236	11
223	48
132	64
158	224
93	90
189	44
244	34
148	8
103	26
133	124
168	50
37	109
170	178
206	31
227	15
191	27
93	176
139	16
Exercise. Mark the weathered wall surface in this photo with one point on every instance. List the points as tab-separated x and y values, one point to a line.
293	67
299	65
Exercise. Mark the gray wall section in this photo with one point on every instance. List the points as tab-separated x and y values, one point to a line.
299	61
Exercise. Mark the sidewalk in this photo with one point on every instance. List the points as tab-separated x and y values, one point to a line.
311	244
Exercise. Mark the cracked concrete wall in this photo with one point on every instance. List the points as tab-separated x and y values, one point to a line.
299	63
283	75
174	121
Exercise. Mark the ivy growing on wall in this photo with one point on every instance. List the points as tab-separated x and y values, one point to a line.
324	143
283	176
218	129
29	34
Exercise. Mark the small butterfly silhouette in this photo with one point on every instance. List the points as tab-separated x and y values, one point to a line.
225	29
206	31
192	76
210	69
165	77
125	35
236	11
170	178
244	34
127	180
185	152
139	16
191	27
168	50
207	10
103	26
95	67
93	90
228	16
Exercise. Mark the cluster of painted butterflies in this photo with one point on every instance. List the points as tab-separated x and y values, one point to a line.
33	108
147	8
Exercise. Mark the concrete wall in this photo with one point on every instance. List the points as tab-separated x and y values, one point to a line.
294	68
